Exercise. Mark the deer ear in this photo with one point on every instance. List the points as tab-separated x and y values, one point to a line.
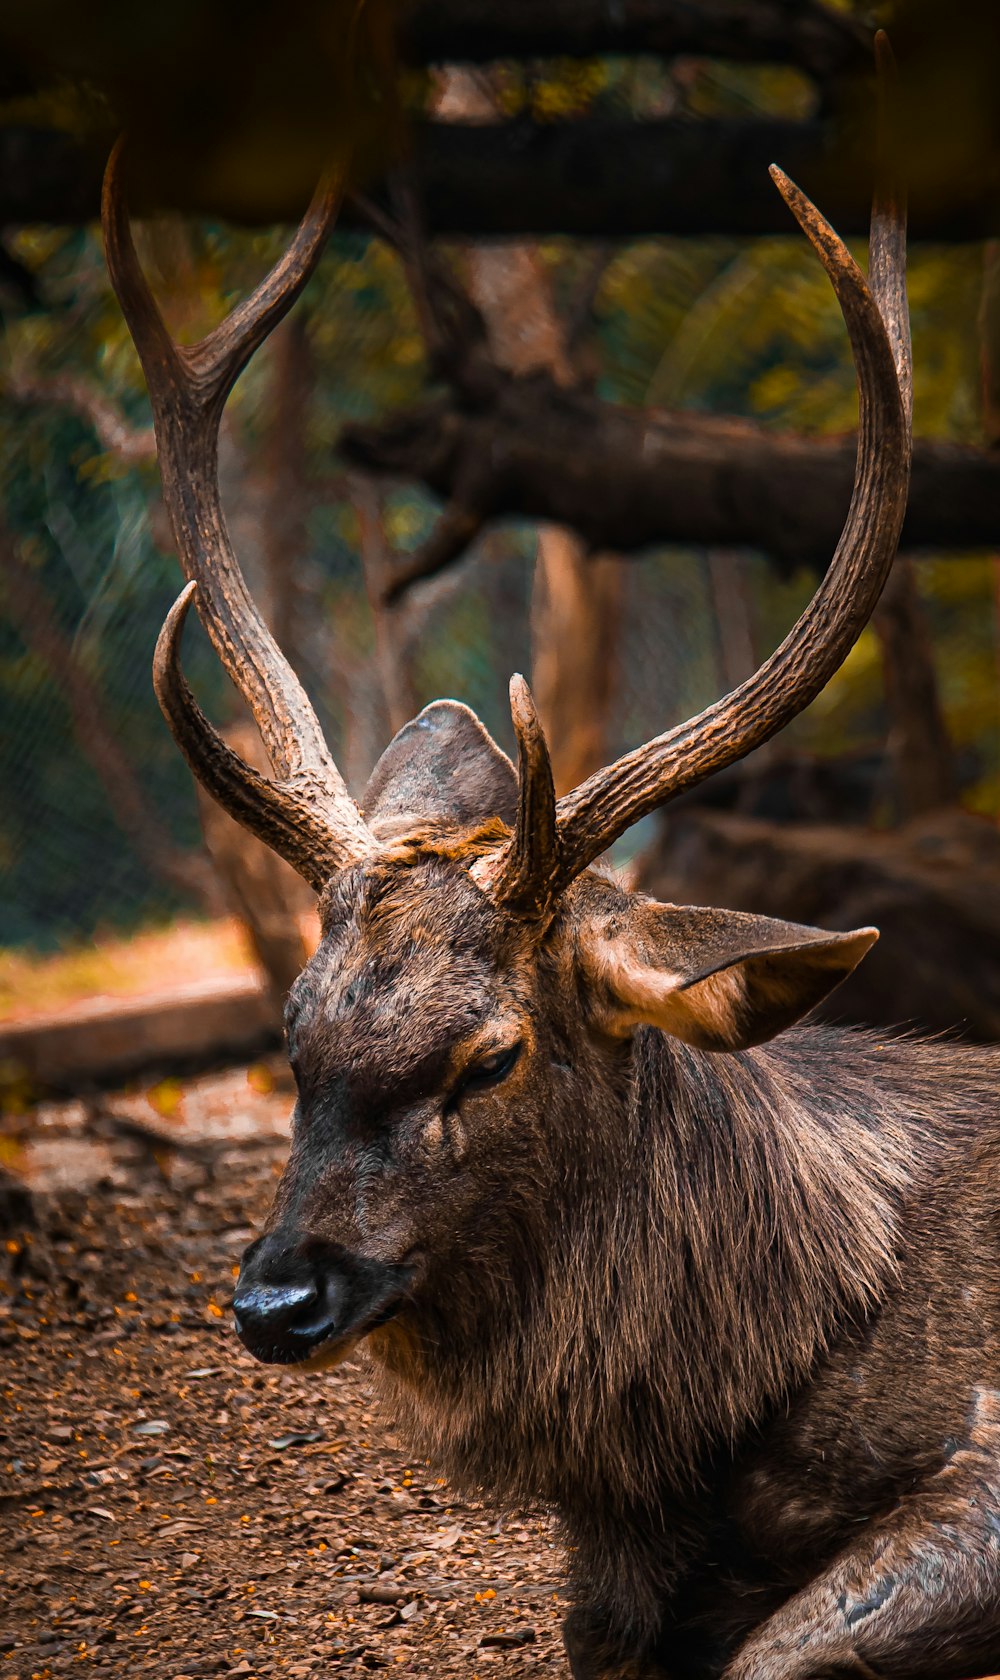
442	767
718	979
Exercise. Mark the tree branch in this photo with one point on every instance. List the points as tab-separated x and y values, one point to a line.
628	478
801	32
594	179
456	528
452	328
130	443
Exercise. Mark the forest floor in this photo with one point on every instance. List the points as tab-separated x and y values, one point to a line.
125	966
167	1506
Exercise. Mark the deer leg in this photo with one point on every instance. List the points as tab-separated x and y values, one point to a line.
916	1597
595	1654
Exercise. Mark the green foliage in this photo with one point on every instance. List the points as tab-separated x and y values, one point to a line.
714	325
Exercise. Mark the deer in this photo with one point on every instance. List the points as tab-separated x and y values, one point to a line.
626	1235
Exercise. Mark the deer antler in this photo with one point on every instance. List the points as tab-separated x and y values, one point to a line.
594	814
524	882
307	815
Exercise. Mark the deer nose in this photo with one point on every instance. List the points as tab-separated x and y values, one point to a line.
285	1303
296	1293
272	1306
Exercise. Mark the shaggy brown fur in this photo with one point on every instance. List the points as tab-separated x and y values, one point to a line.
735	1318
697	1266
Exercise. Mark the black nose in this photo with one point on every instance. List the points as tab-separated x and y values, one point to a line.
277	1306
286	1302
295	1294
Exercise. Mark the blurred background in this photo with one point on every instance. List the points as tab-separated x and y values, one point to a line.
568	394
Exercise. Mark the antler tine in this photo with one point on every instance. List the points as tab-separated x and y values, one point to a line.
280	817
228	348
601	808
145	323
524	881
188	387
216	362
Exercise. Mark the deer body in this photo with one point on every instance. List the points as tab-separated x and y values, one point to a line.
713	1451
720	1293
719	1312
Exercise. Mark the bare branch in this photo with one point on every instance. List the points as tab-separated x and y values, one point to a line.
130	443
626	479
810	34
456	528
451	326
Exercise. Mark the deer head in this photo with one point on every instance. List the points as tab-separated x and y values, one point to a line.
467	1021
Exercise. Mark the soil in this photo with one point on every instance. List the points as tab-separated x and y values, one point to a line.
169	1508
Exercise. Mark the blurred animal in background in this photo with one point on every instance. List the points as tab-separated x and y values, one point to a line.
623	1238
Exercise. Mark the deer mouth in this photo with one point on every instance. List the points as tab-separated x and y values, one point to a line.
333	1350
309	1304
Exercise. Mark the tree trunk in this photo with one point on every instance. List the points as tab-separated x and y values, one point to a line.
628	478
575	614
393	653
918	745
263	891
269	496
576	620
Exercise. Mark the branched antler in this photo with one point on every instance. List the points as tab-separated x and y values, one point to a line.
307	814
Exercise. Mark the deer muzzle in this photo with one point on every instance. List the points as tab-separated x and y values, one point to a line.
299	1300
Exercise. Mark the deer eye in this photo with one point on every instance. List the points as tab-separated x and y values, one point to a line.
490	1070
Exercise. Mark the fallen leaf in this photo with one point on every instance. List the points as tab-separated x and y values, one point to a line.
382	1592
166	1097
509	1641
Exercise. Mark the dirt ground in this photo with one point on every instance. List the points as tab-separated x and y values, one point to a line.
170	1508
